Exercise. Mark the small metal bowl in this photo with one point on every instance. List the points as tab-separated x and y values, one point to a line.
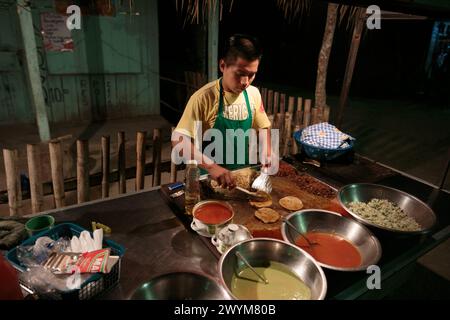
181	286
259	251
413	207
330	222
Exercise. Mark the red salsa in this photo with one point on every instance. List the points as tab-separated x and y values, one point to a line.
213	213
331	250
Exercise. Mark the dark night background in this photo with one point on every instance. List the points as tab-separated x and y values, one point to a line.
390	61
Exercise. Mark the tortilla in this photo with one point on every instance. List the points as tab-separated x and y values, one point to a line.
291	203
267	215
256	203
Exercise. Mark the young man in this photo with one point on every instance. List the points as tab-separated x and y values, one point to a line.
227	104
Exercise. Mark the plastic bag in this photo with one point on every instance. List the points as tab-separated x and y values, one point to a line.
43	281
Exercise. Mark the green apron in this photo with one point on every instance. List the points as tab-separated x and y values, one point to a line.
222	124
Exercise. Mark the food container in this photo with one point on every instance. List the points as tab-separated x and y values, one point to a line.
411	206
331	223
260	252
229	236
210	216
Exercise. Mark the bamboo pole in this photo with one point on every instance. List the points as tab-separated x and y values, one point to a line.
35	174
56	163
105	166
121	160
140	160
173	166
11	159
157	146
82	171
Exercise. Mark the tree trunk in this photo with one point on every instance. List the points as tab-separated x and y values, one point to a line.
324	56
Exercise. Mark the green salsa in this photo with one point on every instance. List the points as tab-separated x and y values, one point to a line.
283	284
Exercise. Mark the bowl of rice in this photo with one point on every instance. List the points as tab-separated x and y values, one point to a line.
386	208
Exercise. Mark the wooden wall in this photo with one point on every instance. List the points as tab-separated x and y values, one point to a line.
113	71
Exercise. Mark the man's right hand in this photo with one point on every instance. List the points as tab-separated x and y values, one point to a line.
222	176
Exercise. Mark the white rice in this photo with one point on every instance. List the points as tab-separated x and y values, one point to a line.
385	214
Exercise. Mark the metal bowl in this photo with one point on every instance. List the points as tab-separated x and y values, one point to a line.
364	192
181	286
259	251
331	222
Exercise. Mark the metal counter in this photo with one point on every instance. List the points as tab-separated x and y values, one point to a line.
155	240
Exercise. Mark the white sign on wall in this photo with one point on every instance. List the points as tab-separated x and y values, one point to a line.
57	37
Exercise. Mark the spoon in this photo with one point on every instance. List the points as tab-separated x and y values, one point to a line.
298	231
239	255
260	196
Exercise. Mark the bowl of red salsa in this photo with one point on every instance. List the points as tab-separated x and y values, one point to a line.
211	215
341	243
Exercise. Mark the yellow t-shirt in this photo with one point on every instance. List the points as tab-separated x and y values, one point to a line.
204	105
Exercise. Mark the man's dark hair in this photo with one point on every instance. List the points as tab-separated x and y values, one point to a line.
241	46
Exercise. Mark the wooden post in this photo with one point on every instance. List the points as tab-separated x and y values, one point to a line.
56	163
121	164
173	167
157	146
294	147
291	105
213	39
105	166
282	103
287	133
271	119
270	102
82	171
11	158
307	113
314	115
276	102
32	68
264	97
351	60
34	172
306	119
326	114
299	104
140	160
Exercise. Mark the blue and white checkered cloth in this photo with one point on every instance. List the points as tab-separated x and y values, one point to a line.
325	135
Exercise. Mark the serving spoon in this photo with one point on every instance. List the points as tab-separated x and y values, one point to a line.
240	256
310	243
